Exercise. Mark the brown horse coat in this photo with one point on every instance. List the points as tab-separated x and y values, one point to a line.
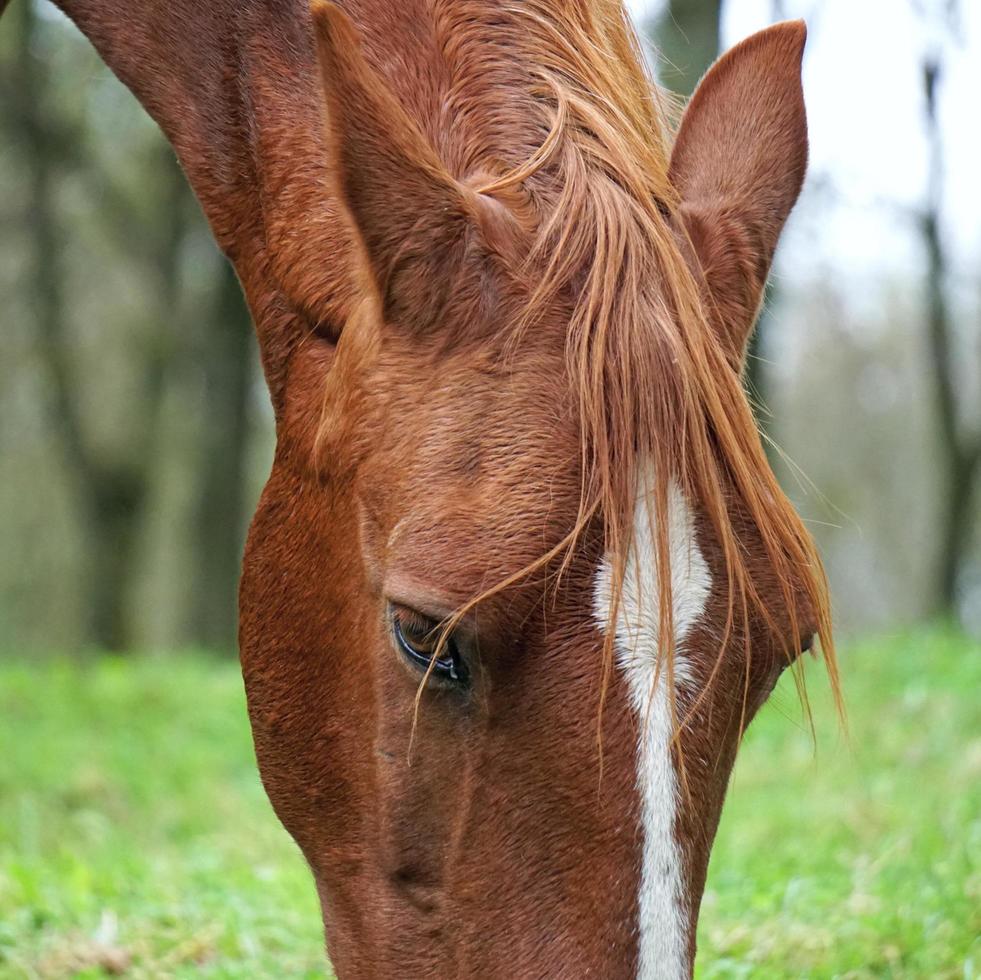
502	322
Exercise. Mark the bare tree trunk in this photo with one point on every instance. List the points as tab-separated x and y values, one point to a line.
113	505
755	375
222	507
107	498
960	450
111	489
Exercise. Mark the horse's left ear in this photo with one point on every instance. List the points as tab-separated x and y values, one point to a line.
738	165
407	209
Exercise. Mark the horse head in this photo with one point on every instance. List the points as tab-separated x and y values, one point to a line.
521	574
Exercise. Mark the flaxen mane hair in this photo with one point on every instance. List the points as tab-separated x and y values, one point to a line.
587	139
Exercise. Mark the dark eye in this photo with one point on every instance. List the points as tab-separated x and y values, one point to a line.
418	640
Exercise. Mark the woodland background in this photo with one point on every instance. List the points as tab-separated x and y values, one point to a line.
135	434
135	431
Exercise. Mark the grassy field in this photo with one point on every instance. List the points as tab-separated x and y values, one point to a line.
135	838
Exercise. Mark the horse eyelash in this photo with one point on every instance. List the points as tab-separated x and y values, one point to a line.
415	624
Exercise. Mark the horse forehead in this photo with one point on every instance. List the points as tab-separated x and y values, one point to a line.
638	624
488	412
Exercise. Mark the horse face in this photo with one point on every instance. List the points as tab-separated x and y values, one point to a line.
507	814
502	797
487	771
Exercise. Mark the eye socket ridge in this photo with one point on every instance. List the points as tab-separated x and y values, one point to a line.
418	639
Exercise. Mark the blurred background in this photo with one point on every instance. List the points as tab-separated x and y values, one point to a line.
135	433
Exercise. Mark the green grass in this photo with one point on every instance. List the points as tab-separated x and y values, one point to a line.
134	834
859	858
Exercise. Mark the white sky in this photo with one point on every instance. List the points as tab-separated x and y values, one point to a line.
864	99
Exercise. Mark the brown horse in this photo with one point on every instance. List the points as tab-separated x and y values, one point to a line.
521	574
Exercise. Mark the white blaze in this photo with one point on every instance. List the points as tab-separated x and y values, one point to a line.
663	911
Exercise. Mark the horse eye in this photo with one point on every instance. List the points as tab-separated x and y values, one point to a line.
417	638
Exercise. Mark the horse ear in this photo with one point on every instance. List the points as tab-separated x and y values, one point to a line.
738	165
405	206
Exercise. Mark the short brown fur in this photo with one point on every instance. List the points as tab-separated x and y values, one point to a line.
492	298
